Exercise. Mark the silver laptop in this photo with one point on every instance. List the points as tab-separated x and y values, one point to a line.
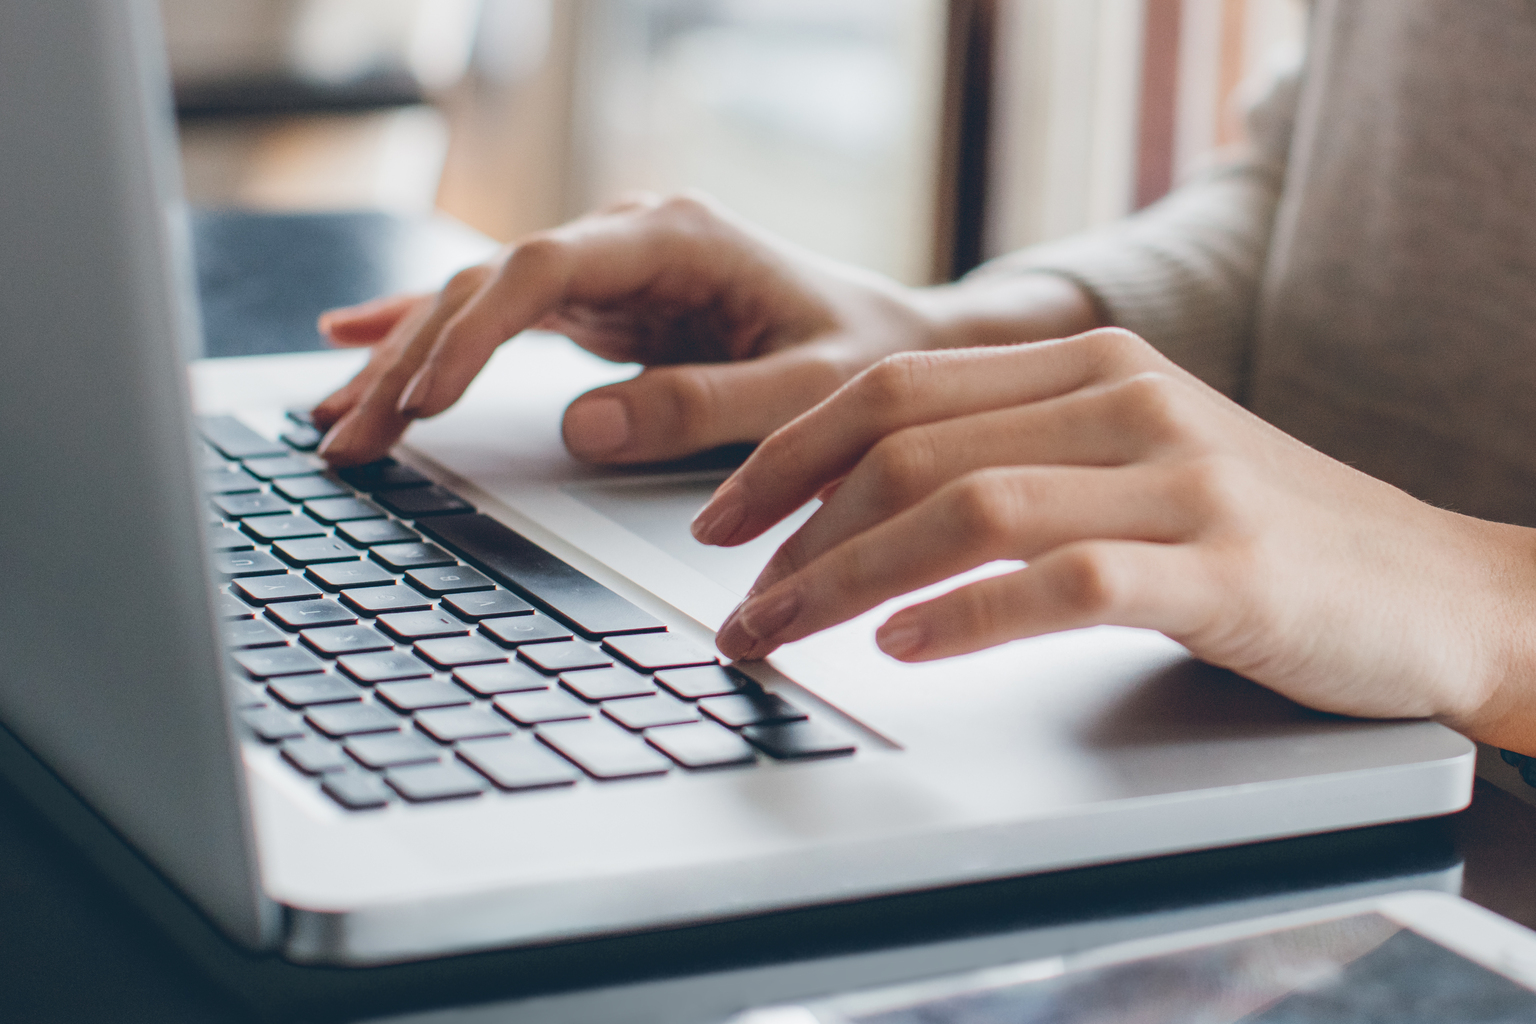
467	698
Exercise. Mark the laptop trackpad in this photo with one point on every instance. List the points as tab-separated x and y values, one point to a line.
658	511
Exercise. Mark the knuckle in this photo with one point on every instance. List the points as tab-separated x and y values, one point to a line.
1087	581
902	465
1151	404
1215	488
688	209
1115	349
987	508
464	284
892	383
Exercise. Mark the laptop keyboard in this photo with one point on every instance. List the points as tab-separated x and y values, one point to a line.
397	646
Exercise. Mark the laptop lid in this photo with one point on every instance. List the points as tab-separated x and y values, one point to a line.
109	667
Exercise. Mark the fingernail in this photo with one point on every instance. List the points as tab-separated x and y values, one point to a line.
902	640
595	427
719	521
765	618
415	395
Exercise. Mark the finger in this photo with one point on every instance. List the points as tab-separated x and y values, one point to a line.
342	401
903	391
1090	583
668	412
991	514
373	423
367	322
1094	426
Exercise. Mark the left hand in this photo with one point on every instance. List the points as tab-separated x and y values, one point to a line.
1140	497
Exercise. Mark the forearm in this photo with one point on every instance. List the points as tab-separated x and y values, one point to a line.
1007	309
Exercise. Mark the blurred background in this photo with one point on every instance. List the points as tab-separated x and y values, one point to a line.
915	137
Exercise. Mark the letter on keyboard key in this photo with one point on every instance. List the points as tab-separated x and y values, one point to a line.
237	506
334	640
383	666
397	598
518	763
487	604
514	630
368	532
603	750
297	615
270	528
266	589
252	633
446	781
411	626
524	566
341	575
271	662
448	579
401	557
701	745
339	720
232	564
315	550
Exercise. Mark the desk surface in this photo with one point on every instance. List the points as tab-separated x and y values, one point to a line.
72	948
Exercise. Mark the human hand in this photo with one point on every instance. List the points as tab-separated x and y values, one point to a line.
1138	496
743	332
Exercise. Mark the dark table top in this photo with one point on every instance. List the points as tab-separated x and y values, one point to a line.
74	948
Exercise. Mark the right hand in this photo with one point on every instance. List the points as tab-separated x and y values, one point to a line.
739	331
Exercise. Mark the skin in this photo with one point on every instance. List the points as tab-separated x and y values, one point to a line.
942	434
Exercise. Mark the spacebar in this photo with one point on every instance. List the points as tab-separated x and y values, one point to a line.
524	566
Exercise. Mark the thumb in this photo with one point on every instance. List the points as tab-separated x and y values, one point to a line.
672	411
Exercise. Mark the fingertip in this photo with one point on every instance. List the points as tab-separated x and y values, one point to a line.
903	637
596	427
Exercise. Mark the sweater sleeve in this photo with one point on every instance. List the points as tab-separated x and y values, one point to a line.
1185	272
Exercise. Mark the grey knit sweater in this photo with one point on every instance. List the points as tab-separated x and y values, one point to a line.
1366	278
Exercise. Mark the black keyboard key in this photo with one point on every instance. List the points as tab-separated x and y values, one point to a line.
373	600
384	475
315	550
603	750
607	683
701	745
233	480
339	510
383	666
252	633
524	566
639	713
232	608
339	720
235	439
222	538
304	691
446	781
314	756
391	750
448	579
271	528
302	417
341	575
411	626
453	651
307	488
270	662
419	694
450	725
798	740
266	589
508	677
487	604
210	459
423	501
246	563
706	681
272	725
337	640
302	437
284	465
651	651
541	706
368	532
245	694
513	631
296	615
750	707
356	790
401	557
237	506
563	656
520	762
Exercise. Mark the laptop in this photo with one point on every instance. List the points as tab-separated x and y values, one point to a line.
467	698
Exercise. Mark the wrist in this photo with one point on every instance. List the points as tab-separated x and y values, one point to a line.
1006	310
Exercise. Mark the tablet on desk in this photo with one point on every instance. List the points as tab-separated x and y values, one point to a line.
1410	958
